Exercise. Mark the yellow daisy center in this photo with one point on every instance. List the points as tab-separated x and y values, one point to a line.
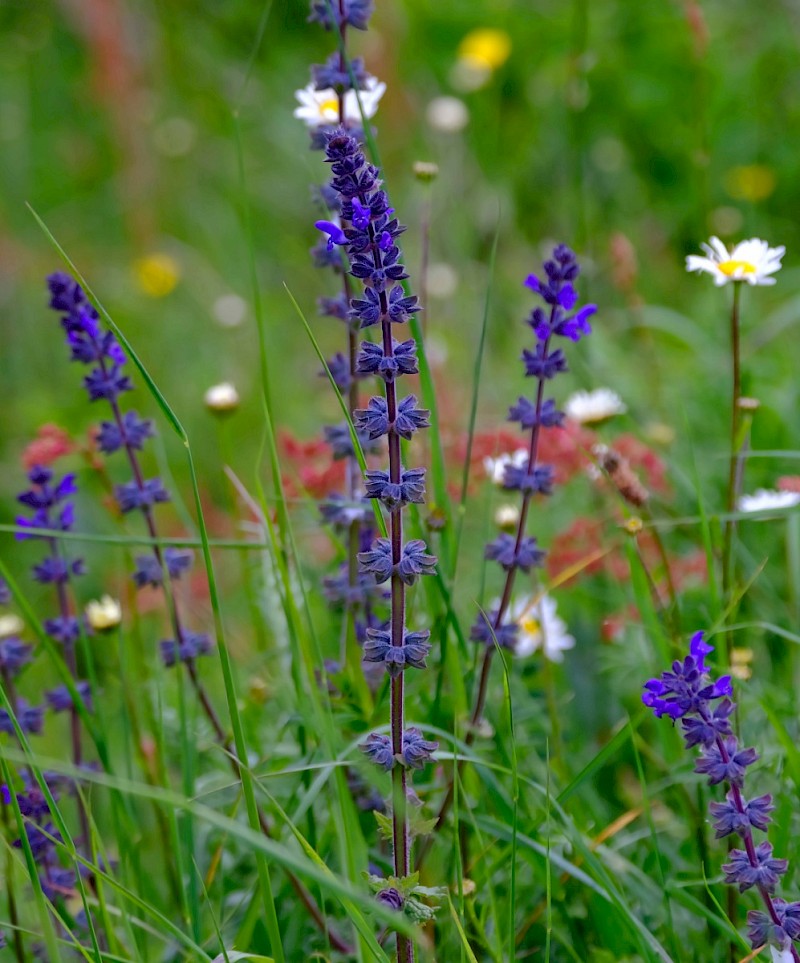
329	108
730	268
530	625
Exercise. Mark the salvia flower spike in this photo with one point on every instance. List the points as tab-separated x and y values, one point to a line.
370	243
688	693
127	432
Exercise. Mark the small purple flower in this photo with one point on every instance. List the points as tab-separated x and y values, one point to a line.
356	13
341	512
725	762
341	442
57	570
64	629
411	654
504	550
410	488
132	495
14	654
378	749
332	74
704	730
192	645
133	433
416	749
29	718
339	368
765	874
544	364
335	233
374	419
337	307
539	480
413	563
483	630
730	819
106	383
402	361
524	411
60	700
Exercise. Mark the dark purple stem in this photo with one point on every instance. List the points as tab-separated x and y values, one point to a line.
400	833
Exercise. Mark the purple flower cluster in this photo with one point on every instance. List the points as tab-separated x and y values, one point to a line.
368	235
559	318
688	693
90	344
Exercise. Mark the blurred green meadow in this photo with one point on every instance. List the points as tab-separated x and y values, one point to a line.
157	143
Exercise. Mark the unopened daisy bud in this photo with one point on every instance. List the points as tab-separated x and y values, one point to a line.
104	614
425	171
507	517
221	399
10	625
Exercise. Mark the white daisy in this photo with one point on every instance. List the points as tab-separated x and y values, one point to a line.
763	500
320	108
752	261
496	467
540	627
592	407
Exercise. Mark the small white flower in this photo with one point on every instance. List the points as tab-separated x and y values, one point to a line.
230	310
496	467
592	407
10	625
763	500
319	108
105	614
540	627
221	398
752	261
447	114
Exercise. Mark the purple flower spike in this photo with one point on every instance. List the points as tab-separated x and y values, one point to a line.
689	693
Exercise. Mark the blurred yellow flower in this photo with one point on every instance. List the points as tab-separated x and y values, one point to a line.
485	48
750	182
157	274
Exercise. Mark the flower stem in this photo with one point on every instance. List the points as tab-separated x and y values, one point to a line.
734	476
